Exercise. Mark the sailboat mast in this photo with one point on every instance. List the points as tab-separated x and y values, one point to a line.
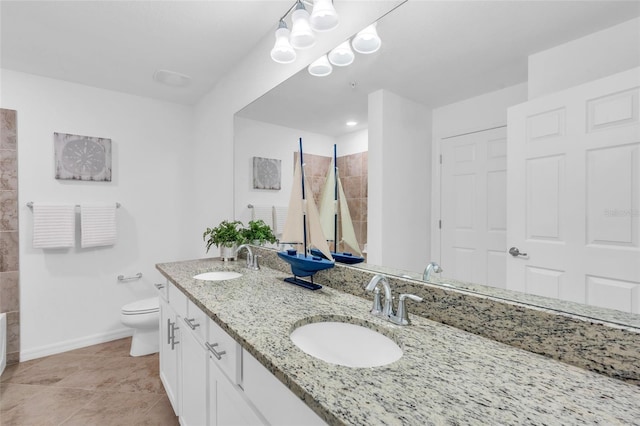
304	213
335	198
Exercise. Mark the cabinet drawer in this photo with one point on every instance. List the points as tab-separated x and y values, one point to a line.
196	321
177	300
219	341
273	399
161	288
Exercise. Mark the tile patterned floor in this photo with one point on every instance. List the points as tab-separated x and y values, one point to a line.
98	385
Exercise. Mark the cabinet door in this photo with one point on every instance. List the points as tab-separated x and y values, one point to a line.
194	381
169	354
229	408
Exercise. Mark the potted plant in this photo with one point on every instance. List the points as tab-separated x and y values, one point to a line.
258	233
227	235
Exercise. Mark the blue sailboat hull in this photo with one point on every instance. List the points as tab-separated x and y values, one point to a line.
342	257
304	265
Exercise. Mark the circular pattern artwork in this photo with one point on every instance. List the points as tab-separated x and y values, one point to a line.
82	157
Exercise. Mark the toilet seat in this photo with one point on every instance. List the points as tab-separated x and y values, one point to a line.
144	306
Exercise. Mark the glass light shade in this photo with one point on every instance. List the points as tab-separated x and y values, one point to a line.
324	16
320	67
342	55
301	33
282	51
367	41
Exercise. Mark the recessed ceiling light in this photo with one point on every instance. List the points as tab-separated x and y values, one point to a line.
351	123
171	78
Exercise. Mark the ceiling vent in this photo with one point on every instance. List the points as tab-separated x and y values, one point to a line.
171	78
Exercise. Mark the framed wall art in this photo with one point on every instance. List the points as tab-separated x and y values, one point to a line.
266	173
82	157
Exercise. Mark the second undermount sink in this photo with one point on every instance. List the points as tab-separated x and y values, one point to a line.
346	344
217	276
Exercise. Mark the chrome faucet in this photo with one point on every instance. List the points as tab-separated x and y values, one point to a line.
432	267
252	260
387	310
402	317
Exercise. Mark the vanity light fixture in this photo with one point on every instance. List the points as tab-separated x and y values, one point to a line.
283	52
320	67
301	33
367	41
351	123
324	16
342	55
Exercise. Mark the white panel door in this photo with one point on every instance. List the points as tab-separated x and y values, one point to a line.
474	187
574	194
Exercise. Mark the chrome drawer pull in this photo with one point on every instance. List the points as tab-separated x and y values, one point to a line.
212	349
159	286
190	323
168	331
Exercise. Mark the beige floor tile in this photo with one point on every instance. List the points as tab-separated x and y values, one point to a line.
50	370
160	414
12	395
50	406
112	409
14	369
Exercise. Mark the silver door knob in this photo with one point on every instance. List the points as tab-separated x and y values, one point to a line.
515	252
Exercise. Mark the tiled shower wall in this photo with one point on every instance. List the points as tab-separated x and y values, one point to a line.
9	282
353	173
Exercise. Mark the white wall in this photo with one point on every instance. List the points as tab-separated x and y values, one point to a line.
353	142
71	298
588	58
399	182
471	115
258	139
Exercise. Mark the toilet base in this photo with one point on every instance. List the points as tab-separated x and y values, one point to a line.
145	342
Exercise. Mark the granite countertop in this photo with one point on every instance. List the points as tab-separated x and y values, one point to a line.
445	376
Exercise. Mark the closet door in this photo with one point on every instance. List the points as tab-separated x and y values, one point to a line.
473	192
574	194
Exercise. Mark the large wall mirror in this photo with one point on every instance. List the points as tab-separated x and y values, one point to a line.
441	87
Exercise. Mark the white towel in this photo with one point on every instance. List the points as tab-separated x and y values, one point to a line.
97	224
279	217
54	225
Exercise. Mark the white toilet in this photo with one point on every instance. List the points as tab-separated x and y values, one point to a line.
144	317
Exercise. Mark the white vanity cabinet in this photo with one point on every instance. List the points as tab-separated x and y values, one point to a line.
211	380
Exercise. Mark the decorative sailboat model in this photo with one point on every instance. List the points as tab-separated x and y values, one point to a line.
302	227
332	203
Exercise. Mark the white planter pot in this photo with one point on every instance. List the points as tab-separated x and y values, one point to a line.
228	253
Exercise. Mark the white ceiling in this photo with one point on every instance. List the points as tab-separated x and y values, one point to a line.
437	53
118	45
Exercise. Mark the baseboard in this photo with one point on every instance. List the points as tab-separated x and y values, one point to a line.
69	345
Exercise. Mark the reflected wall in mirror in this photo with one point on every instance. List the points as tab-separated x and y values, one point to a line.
469	113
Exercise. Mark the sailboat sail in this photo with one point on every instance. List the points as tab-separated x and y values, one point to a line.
299	208
348	233
332	202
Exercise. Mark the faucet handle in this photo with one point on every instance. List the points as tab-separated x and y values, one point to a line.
376	309
402	317
255	265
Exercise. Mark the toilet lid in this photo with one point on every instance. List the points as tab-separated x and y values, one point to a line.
143	306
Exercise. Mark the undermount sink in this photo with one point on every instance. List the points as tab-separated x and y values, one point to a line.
217	276
346	344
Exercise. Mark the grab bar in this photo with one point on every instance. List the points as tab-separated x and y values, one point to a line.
135	277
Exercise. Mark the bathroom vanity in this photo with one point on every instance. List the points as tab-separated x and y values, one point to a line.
226	351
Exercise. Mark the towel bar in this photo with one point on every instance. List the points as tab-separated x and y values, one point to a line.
30	205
